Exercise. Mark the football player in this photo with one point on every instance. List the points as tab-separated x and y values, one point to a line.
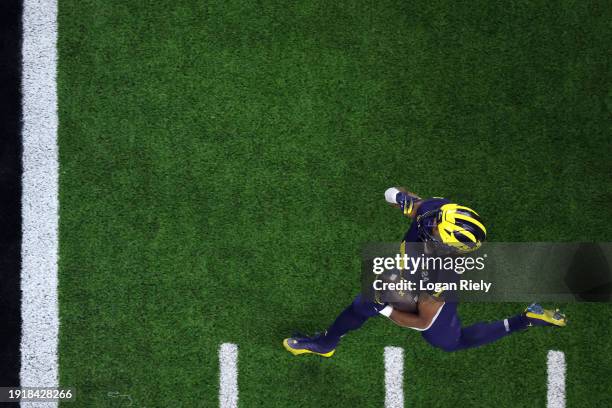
458	229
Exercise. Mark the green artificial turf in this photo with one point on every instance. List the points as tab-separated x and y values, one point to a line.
222	163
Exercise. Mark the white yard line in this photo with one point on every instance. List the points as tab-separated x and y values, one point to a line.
39	309
228	375
555	397
394	377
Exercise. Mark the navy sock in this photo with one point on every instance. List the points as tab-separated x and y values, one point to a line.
516	323
480	334
348	320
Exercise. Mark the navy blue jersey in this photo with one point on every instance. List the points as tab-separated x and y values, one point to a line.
412	235
429	204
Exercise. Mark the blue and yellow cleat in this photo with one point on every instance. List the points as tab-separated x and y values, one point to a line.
309	345
538	316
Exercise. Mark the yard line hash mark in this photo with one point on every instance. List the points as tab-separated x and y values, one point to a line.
228	375
556	368
394	377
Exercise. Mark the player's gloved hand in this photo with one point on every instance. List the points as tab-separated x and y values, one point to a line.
401	198
391	195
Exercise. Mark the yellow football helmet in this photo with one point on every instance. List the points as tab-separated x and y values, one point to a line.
457	226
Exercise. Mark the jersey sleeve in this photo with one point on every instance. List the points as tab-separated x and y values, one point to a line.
431	204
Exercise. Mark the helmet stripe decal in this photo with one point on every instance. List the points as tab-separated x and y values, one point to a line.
471	220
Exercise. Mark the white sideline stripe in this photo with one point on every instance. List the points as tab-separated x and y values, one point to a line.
555	397
394	377
228	375
39	308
